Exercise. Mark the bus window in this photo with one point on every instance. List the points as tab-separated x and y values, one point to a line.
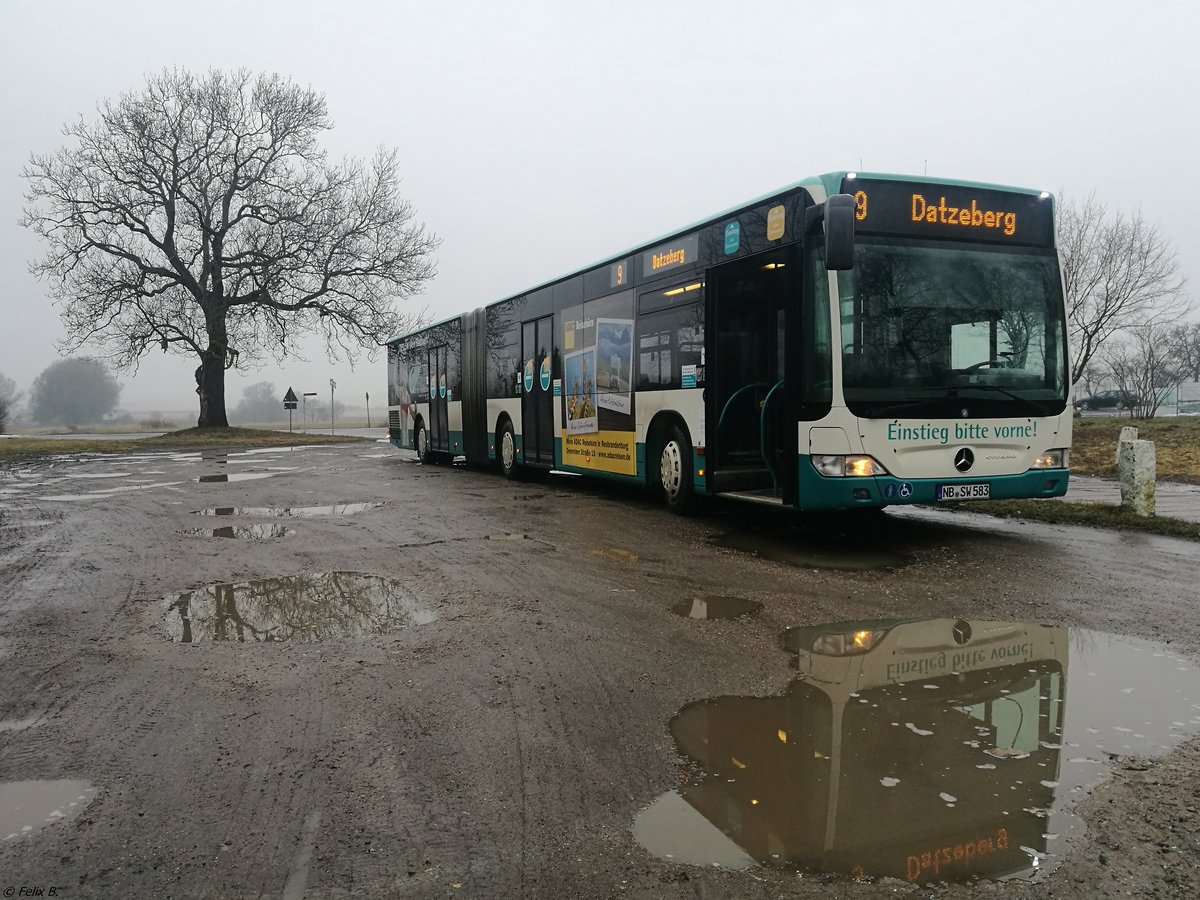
668	340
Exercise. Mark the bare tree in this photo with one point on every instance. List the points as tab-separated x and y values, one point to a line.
1118	272
260	404
8	401
1185	344
200	215
73	391
1092	376
1144	368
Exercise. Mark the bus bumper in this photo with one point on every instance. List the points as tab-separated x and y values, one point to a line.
816	491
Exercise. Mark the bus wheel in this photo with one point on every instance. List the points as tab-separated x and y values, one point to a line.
506	450
421	442
675	472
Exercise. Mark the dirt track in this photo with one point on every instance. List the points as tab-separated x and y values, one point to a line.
503	748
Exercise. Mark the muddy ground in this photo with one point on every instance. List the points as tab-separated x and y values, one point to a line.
501	743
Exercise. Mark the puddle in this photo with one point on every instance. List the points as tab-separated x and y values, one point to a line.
293	608
29	806
296	512
935	750
236	476
811	550
716	607
242	532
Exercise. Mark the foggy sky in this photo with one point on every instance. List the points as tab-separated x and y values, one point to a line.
536	138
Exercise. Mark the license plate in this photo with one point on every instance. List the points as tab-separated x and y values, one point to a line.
964	491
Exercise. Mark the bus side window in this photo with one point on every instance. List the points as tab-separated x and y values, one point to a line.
668	340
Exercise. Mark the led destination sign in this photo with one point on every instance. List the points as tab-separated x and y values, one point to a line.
950	211
682	252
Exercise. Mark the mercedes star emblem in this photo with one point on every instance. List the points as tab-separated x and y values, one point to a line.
964	459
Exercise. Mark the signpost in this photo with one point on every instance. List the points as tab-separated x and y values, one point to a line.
304	411
332	385
289	403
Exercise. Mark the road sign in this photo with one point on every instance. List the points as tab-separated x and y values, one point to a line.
290	397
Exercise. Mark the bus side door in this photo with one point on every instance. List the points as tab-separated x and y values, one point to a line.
537	391
439	427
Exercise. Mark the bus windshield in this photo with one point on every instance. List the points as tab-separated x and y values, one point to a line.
936	326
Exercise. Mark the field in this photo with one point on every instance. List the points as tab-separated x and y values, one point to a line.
1176	443
13	448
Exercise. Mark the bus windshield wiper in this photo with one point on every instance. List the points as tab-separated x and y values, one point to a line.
1031	404
905	406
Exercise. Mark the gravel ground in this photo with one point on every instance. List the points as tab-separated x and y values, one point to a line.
494	731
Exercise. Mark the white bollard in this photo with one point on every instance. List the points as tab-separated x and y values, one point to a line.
1136	467
1129	434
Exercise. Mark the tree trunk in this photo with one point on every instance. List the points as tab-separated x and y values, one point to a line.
210	385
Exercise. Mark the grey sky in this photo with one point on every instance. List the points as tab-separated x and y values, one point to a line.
538	137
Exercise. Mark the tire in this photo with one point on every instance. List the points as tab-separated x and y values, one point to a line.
675	472
506	450
421	444
1085	406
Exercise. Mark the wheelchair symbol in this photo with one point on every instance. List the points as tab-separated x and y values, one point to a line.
906	490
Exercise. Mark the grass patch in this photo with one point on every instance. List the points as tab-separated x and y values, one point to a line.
1176	446
1097	515
188	439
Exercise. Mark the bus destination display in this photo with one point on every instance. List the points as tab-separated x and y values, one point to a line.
917	209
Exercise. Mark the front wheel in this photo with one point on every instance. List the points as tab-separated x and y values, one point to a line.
675	472
506	450
1085	406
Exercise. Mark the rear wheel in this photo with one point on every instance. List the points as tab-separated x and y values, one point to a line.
421	443
506	450
675	472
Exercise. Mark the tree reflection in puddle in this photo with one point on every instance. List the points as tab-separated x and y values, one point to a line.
294	608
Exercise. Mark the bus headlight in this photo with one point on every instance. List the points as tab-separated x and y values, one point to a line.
847	466
848	643
1053	459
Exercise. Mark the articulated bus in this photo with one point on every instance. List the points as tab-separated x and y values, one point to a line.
851	341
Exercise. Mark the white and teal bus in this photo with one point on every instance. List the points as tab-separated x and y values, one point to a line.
851	341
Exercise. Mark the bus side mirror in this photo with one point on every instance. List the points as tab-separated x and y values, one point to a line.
839	232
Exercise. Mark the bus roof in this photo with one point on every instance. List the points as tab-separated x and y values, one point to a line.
830	182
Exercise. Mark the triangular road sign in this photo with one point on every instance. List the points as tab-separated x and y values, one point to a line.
290	397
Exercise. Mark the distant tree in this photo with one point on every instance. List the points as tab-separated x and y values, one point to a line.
200	215
73	392
1118	272
259	404
1143	367
1092	376
8	401
1185	344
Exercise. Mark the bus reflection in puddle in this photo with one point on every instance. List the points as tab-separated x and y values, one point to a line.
935	750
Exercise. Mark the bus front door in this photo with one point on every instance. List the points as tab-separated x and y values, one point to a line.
537	391
439	425
747	439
